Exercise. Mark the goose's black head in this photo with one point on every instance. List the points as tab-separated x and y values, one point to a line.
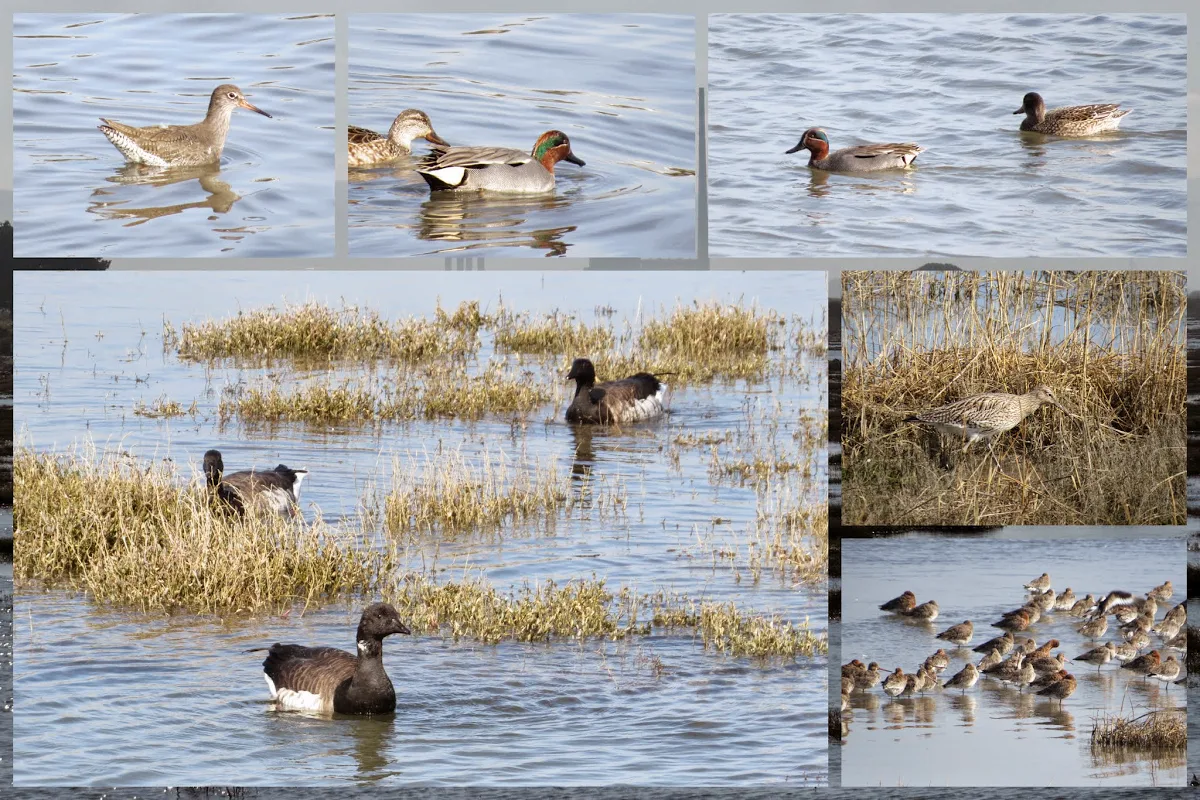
583	372
214	467
378	621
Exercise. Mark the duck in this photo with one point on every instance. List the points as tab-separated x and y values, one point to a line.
181	145
328	680
268	491
863	158
1070	120
368	147
634	399
498	169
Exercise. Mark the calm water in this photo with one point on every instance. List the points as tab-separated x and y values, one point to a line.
949	83
994	735
511	714
622	87
73	194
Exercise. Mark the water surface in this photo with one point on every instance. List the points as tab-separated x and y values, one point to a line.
272	195
948	82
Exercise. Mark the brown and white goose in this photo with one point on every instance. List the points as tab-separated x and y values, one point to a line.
327	680
633	399
266	491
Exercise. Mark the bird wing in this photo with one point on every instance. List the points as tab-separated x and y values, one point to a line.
357	135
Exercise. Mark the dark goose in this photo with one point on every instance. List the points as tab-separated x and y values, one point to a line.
273	491
329	680
633	399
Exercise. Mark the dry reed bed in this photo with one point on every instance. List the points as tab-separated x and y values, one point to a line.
1156	730
914	341
126	533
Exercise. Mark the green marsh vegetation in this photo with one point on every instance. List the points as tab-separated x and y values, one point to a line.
1110	345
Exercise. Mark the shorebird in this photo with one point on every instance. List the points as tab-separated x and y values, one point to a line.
868	678
1003	644
1162	592
847	684
1099	656
852	669
1045	664
1178	642
1166	672
1083	607
990	660
1096	628
1113	600
895	683
983	416
903	603
1044	602
1060	690
926	611
1065	601
1017	620
180	145
1177	615
1143	664
959	635
1125	652
1044	650
939	660
1025	675
1049	679
964	679
1040	583
1140	640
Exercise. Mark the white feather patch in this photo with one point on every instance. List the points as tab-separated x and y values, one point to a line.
451	176
300	476
646	408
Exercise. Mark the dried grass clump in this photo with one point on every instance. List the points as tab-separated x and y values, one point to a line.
725	628
1110	344
314	332
709	339
449	493
128	534
1164	729
162	408
553	334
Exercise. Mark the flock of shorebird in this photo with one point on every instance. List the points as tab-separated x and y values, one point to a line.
1020	662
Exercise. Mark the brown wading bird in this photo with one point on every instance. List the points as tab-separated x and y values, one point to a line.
180	145
965	679
326	679
633	399
959	635
985	416
267	491
1060	690
926	611
1001	643
901	604
1143	665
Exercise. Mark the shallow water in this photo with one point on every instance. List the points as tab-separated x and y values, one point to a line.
950	83
510	714
73	194
621	86
994	735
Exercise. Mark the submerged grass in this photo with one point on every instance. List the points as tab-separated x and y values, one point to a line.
1164	729
314	332
163	408
127	534
1110	344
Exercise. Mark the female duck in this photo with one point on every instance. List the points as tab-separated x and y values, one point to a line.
368	147
633	399
1068	121
863	158
498	169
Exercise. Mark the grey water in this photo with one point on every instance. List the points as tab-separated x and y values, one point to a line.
115	697
621	86
73	194
993	735
949	83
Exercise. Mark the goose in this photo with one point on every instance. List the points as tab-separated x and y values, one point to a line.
271	491
326	679
633	399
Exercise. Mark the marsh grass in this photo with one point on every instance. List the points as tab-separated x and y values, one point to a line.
132	534
441	393
313	332
128	534
448	493
1155	730
1109	343
163	407
551	334
709	340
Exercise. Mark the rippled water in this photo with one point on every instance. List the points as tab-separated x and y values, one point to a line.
992	734
950	83
621	86
73	194
183	704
